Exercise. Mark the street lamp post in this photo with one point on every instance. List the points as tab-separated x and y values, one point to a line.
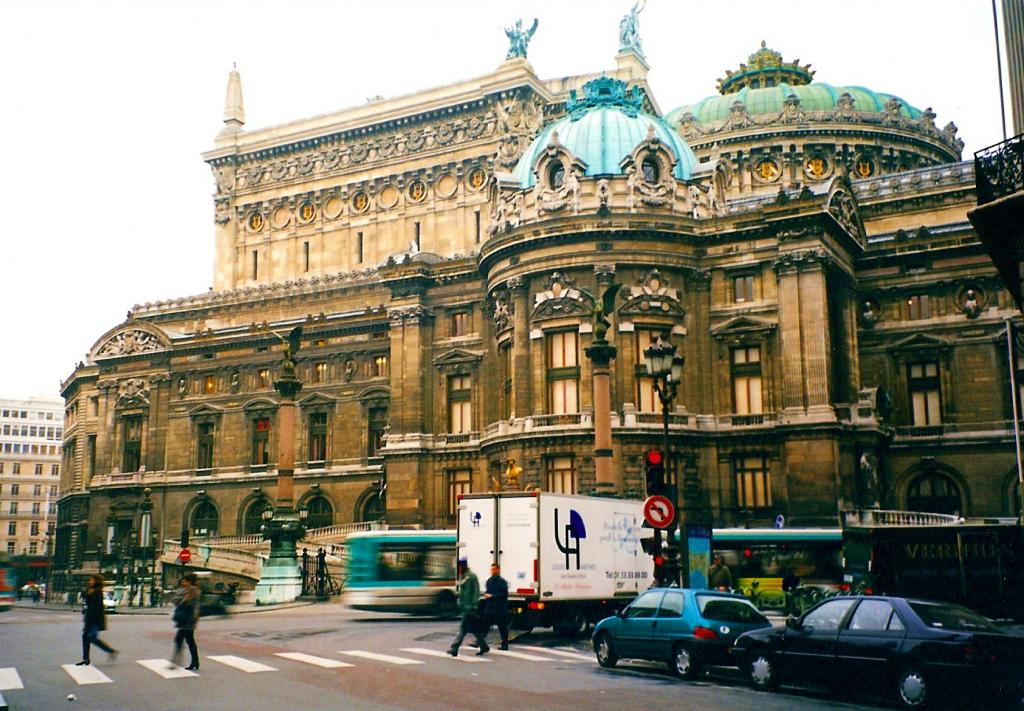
145	540
133	536
152	576
280	579
665	367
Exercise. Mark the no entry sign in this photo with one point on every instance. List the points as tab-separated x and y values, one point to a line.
185	555
659	511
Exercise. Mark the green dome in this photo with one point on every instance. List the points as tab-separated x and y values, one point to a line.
603	128
769	100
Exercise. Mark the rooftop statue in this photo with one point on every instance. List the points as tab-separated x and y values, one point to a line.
629	29
518	39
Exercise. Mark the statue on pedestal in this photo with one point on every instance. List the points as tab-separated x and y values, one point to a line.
519	39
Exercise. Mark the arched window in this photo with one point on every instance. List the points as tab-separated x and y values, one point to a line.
321	513
372	508
253	521
205	520
556	175
651	170
934	493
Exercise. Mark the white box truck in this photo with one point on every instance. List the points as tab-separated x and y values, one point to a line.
569	560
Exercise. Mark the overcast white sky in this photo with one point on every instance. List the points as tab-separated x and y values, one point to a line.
106	106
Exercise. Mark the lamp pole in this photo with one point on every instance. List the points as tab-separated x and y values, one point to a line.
280	580
133	536
665	367
152	576
145	540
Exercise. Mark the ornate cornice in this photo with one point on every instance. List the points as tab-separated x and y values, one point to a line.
415	313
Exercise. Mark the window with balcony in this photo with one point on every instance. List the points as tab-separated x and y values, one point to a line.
263	378
460	410
743	289
131	448
647	399
55	468
37	490
380	366
15	489
204	446
317	439
563	372
746	380
205	520
925	393
934	493
260	442
753	482
34	527
919	307
210	384
376	426
39	470
560	475
320	513
459	483
320	373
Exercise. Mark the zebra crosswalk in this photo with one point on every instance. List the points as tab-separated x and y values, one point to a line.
85	675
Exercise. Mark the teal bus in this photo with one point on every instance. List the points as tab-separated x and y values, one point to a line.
810	556
7	582
401	571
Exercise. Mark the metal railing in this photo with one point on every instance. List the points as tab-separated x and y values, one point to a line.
999	170
1002	427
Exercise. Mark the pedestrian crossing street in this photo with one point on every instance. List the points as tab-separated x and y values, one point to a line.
10	679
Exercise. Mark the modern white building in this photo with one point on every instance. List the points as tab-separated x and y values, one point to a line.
31	431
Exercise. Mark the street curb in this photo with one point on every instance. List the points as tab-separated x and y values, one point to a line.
128	612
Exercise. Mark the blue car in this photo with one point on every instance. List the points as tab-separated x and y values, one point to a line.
687	629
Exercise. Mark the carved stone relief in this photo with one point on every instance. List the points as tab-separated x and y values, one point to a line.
129	343
133	392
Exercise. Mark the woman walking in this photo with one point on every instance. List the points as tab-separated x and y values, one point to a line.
95	620
186	617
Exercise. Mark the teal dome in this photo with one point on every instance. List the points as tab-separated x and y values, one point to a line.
770	100
601	129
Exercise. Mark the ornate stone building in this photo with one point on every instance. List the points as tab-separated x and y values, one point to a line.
805	247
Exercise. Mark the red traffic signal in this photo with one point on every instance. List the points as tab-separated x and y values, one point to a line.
654	458
659	561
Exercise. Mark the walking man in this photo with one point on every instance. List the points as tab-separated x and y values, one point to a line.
469	601
186	616
95	620
495	605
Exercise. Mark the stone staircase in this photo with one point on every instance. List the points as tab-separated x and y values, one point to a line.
243	556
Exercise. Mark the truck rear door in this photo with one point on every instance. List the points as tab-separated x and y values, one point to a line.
517	543
477	533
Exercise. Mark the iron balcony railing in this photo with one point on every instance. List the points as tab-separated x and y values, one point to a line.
999	170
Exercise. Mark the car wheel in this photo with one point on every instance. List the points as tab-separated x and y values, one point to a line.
911	688
605	651
683	663
762	671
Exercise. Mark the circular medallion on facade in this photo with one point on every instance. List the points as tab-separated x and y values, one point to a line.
865	167
306	211
280	217
816	166
477	178
332	208
255	222
388	196
360	202
446	185
767	170
414	141
331	158
417	191
444	134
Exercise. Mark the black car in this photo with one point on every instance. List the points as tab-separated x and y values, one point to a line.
914	650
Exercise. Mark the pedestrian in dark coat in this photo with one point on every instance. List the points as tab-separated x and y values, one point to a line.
469	603
495	605
95	620
186	603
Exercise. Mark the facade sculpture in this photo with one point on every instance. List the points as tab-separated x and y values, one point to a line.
519	39
467	346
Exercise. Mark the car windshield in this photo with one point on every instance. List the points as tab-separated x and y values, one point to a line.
952	617
724	609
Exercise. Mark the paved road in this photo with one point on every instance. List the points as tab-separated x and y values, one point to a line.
327	657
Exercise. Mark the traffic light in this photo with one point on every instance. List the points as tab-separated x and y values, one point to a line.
654	470
184	538
671	567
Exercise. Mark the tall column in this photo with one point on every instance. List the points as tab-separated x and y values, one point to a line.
789	337
601	352
816	335
519	288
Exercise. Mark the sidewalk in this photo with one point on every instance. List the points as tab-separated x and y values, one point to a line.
165	610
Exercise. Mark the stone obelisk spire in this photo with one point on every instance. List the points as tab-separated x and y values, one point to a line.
234	110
